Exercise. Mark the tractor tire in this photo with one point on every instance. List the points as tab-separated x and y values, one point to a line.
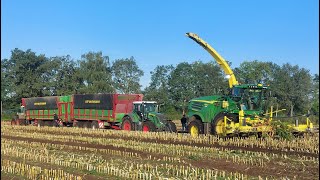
127	124
94	125
195	127
172	126
148	126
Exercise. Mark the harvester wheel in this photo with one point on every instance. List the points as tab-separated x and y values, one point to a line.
94	125
172	126
148	126
218	127
127	124
195	127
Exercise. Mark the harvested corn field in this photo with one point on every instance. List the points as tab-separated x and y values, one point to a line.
29	152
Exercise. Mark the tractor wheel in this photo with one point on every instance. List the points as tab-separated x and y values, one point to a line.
148	126
127	124
172	126
94	125
218	127
195	127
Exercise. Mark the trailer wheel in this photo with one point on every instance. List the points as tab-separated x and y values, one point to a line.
127	124
94	125
86	124
47	123
172	126
40	123
148	126
77	124
195	127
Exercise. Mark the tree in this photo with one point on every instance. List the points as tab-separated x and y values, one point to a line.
181	85
158	88
315	94
95	74
254	72
126	75
291	86
23	74
208	79
66	76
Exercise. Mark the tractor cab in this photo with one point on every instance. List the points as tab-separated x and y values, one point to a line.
151	119
21	114
143	108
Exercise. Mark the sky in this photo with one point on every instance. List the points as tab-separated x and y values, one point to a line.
153	32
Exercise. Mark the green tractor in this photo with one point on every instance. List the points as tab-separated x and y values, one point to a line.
146	117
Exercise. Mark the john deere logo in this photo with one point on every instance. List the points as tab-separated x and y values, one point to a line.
92	101
40	103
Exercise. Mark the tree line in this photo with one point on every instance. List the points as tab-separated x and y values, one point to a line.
26	74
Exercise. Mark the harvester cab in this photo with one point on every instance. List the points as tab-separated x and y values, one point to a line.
250	97
150	117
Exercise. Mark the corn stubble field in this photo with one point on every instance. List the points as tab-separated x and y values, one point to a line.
29	152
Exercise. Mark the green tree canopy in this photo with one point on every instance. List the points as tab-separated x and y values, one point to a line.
126	75
95	72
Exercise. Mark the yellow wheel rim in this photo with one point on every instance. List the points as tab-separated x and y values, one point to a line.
220	128
194	131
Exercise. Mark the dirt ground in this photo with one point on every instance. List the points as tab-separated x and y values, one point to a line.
272	168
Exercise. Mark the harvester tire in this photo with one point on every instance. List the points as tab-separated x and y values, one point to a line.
148	126
172	126
195	127
218	124
127	124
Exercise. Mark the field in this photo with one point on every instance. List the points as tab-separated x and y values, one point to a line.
29	152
